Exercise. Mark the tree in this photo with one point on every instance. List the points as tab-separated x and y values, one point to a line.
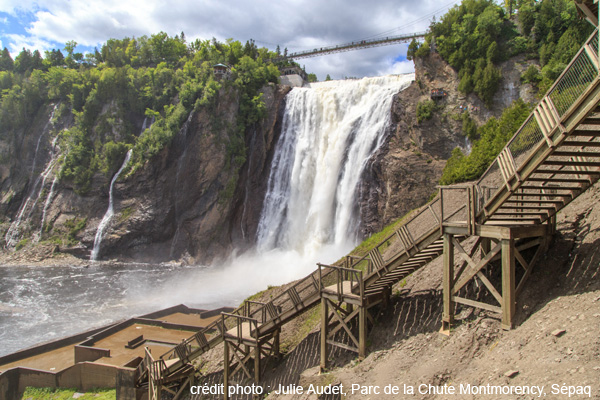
37	62
23	61
412	49
70	48
6	61
55	57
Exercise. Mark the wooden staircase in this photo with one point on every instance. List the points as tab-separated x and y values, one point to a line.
552	159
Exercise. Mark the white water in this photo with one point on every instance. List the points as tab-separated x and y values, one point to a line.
37	146
330	131
109	211
47	205
13	234
182	132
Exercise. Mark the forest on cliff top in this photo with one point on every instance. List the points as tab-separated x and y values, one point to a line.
159	77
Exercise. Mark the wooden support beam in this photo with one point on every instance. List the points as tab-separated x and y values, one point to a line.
324	327
560	180
257	353
508	283
564	153
540	201
226	376
580	143
593	164
482	263
448	283
362	333
520	212
566	172
477	304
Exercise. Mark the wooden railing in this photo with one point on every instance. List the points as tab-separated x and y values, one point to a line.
544	129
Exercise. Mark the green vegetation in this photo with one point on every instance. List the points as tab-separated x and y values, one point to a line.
376	238
74	226
493	137
111	91
425	110
476	35
64	394
309	321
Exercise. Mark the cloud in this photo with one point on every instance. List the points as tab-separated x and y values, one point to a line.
295	24
18	42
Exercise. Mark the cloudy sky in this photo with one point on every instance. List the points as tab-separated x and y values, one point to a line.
295	24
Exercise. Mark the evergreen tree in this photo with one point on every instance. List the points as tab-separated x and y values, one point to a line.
6	61
24	61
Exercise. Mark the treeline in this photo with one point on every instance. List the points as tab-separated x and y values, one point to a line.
475	36
111	90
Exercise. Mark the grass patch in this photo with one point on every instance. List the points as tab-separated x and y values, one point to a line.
64	394
22	243
376	238
311	319
125	214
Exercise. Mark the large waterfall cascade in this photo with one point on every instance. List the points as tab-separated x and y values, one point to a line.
330	131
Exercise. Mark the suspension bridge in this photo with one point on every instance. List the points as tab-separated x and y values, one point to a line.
358	45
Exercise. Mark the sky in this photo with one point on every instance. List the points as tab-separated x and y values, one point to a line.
293	24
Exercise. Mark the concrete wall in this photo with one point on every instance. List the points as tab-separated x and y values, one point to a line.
84	376
292	80
46	347
85	353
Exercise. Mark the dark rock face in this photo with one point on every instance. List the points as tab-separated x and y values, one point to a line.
404	173
188	203
180	207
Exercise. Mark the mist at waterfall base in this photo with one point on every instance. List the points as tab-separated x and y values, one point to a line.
310	215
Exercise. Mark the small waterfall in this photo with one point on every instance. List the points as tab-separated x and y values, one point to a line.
467	146
109	212
47	205
13	234
37	146
44	175
329	132
183	135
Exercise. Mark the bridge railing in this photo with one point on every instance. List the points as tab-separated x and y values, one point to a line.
559	102
357	44
408	235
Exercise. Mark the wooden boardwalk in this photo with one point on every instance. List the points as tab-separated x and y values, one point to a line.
552	159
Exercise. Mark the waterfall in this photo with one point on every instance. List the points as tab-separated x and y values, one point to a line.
46	206
13	234
109	212
329	132
37	146
183	135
